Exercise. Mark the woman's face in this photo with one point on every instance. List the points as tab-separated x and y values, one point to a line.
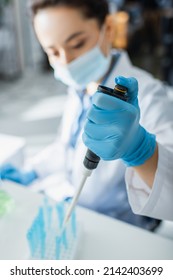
65	34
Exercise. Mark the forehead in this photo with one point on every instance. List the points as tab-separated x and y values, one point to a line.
60	22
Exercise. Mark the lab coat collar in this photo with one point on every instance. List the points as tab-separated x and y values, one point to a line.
122	67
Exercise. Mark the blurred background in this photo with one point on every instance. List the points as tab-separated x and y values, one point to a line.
32	102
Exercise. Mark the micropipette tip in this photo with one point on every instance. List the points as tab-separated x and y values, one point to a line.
86	174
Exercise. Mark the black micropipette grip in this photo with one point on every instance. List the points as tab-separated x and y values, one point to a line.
91	160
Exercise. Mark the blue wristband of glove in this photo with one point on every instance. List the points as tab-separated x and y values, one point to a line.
9	172
143	150
29	177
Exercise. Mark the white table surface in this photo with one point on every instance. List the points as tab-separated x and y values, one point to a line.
101	237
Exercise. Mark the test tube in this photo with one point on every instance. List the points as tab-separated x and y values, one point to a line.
43	244
47	213
73	223
64	239
60	212
49	216
58	247
30	241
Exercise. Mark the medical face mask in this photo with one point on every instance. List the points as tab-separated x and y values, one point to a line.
89	67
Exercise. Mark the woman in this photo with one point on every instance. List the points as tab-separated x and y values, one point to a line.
77	36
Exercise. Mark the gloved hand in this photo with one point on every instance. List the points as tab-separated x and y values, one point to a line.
112	130
9	172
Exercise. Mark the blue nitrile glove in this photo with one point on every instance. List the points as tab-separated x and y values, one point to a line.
9	172
112	130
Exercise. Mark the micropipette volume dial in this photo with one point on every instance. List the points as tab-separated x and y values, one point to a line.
91	160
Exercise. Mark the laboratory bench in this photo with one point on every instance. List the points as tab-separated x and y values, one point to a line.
101	237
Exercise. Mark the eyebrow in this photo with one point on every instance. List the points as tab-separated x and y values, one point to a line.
73	36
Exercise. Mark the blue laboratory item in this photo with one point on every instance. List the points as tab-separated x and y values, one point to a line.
49	216
53	242
10	172
46	202
43	245
73	223
48	212
58	247
64	238
31	243
61	213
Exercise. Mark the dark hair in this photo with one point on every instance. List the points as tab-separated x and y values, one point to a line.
97	9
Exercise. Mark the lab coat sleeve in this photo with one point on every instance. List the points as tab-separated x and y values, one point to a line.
158	201
50	160
157	118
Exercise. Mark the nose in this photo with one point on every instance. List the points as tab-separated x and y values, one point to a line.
65	57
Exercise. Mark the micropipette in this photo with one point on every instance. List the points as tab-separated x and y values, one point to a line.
91	160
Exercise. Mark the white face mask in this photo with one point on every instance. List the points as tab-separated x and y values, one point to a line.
89	67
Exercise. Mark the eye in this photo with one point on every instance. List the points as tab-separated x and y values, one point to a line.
79	45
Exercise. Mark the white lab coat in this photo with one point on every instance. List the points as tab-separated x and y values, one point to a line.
99	192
